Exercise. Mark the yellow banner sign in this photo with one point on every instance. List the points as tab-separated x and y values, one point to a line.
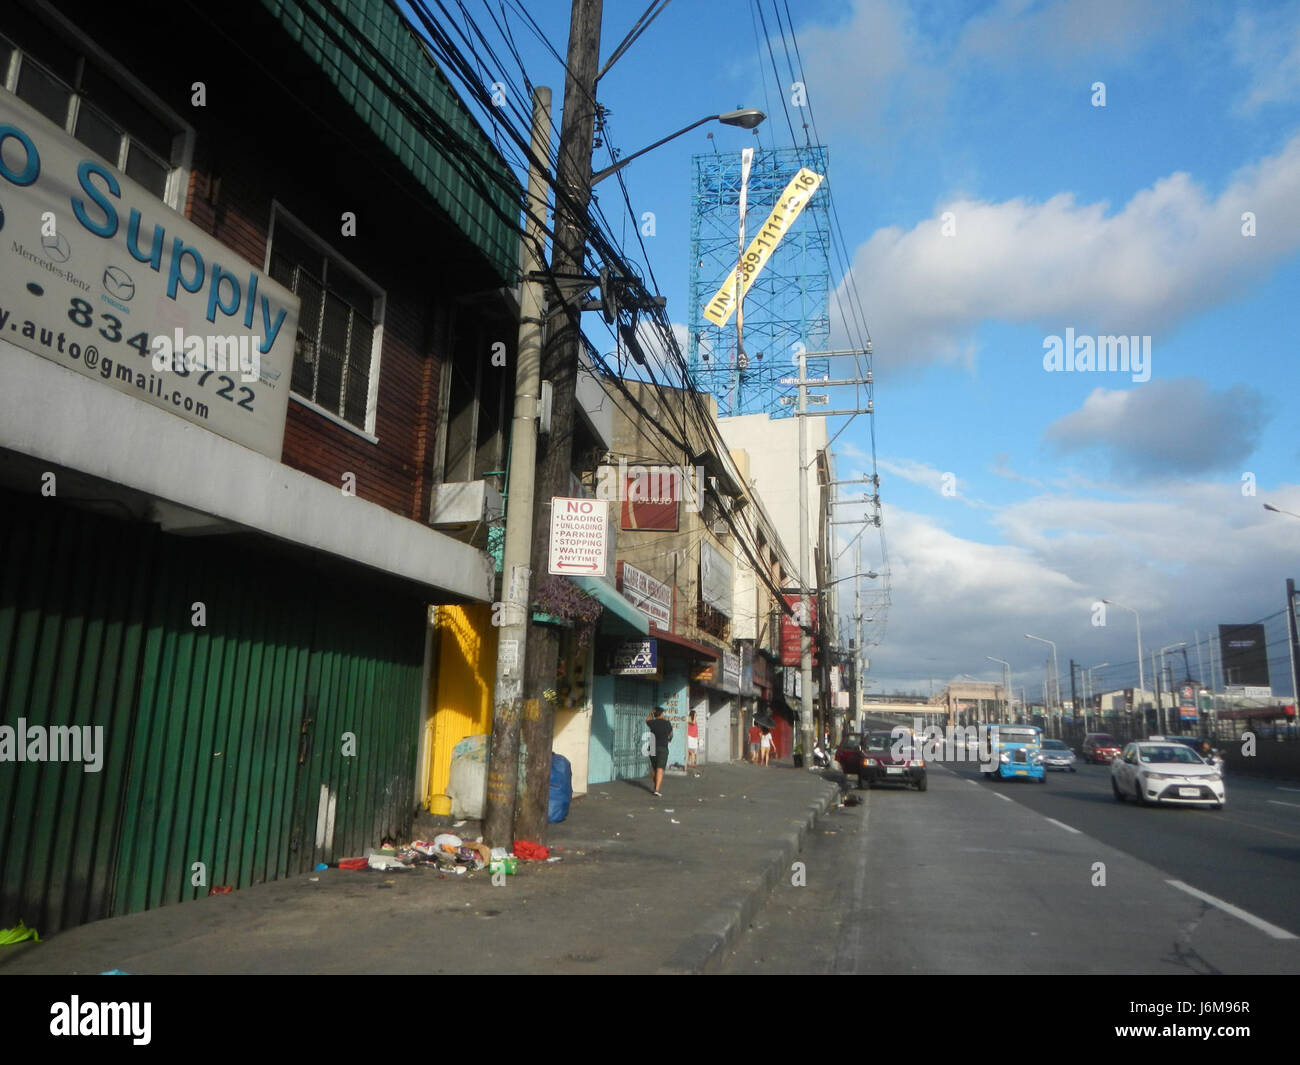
796	195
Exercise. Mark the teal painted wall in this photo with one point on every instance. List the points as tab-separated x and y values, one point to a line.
600	756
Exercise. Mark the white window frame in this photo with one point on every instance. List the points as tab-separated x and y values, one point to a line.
182	149
304	233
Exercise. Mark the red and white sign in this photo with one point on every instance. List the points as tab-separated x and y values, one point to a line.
650	596
579	536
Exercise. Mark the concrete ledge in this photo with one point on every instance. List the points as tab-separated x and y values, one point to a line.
56	415
706	949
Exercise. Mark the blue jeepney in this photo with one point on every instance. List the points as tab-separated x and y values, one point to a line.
1016	753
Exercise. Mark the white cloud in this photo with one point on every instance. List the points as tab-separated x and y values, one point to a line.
1267	45
1171	252
1165	427
1197	555
887	67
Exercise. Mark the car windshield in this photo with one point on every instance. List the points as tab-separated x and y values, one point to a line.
1174	752
851	739
1054	745
880	741
1017	735
1104	741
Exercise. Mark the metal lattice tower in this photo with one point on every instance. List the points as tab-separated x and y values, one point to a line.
788	302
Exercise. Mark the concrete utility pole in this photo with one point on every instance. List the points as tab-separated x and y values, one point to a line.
805	609
806	724
857	646
559	366
516	584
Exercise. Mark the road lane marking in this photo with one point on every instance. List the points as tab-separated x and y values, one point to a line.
1001	796
1280	788
1262	828
1279	802
1061	824
1258	922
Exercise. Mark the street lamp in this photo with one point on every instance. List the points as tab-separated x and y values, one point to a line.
1056	673
1091	692
1006	686
1164	723
1142	684
870	575
745	118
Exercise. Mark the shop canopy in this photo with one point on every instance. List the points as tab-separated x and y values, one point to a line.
625	615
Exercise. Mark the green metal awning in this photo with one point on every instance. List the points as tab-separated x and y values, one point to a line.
628	616
372	54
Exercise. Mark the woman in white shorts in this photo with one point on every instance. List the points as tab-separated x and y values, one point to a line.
692	741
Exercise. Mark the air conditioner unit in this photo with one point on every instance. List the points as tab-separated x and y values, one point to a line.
457	505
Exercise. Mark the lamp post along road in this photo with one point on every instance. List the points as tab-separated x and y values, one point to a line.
1142	684
1006	686
1055	675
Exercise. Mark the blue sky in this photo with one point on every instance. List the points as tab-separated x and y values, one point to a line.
1115	220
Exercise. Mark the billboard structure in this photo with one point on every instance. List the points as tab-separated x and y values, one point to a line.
785	304
1244	653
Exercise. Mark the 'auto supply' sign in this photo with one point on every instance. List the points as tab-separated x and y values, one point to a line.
101	277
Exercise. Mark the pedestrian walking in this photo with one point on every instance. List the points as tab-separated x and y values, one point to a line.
692	741
765	747
753	742
661	734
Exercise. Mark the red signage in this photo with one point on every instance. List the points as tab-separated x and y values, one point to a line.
791	649
650	497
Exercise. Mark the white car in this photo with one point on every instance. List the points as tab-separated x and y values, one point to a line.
1158	770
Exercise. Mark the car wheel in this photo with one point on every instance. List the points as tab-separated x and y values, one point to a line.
1119	795
1043	779
1137	790
921	784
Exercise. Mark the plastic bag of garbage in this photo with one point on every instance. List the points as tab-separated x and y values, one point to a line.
561	788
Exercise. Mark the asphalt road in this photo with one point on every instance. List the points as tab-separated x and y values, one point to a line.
975	876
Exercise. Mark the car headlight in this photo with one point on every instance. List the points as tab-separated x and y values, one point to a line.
1215	777
1004	757
1159	776
1038	758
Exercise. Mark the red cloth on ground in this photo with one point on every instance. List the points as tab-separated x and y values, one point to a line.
531	851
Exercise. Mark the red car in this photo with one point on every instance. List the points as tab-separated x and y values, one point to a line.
1100	748
849	753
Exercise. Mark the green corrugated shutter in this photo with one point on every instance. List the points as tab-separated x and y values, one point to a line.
219	737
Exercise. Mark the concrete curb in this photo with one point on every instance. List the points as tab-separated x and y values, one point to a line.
705	950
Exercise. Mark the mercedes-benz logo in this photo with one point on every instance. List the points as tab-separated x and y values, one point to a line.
57	249
118	283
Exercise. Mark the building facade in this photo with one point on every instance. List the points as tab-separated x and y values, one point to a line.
220	576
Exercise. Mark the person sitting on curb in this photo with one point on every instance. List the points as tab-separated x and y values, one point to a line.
661	734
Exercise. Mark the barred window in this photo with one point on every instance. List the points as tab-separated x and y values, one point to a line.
338	326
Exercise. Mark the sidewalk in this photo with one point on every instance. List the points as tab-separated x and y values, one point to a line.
645	885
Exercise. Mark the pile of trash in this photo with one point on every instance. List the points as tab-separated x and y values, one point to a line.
449	853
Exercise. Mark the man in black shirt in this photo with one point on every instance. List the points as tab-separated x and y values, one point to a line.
661	734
